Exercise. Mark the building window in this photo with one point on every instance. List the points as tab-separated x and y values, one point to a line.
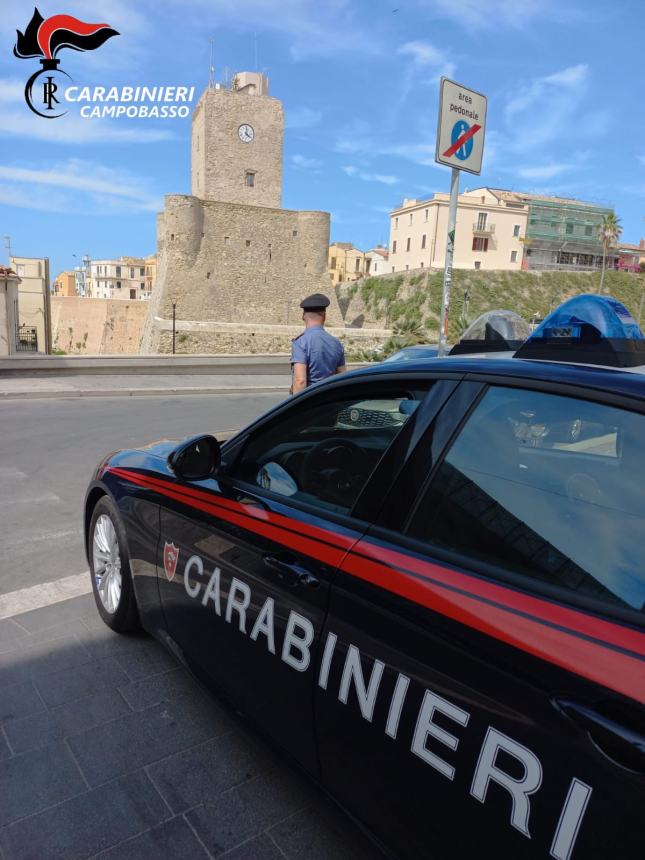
294	233
516	230
142	272
332	265
427	210
423	241
396	223
118	271
569	228
407	244
249	179
478	264
142	286
410	218
133	294
248	243
480	243
269	253
481	220
358	264
513	256
131	272
421	264
227	240
588	230
118	285
406	267
394	248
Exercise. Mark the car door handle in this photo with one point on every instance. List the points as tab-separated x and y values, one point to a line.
291	573
618	742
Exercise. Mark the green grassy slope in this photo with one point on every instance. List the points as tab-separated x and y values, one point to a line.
416	296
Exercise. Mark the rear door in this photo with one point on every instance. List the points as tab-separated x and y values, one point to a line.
481	681
258	547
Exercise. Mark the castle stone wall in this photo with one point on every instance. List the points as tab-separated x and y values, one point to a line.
237	264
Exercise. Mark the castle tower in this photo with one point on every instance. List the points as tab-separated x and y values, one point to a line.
237	144
232	261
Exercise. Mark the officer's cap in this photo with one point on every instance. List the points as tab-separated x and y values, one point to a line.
317	302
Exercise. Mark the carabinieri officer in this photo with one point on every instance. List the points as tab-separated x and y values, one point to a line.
315	354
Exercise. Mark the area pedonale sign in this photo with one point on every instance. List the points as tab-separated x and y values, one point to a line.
460	145
460	127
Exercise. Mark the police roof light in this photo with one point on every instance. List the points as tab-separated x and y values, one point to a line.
493	331
588	329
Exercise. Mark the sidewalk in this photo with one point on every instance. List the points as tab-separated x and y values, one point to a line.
120	385
110	749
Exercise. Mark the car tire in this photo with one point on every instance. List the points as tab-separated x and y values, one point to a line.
110	568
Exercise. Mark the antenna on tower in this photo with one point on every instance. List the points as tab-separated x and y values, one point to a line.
211	67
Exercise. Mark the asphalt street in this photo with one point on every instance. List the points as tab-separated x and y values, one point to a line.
48	449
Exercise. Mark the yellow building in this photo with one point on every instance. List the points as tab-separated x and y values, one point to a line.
34	313
64	284
151	272
347	263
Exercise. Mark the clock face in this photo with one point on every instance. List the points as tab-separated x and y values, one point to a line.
246	133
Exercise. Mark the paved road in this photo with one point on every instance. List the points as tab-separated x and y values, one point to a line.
48	450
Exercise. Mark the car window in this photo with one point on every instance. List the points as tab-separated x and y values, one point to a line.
546	486
324	453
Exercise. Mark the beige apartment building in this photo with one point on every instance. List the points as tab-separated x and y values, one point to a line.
488	235
34	314
125	278
64	284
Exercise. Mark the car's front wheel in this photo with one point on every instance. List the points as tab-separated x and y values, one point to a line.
110	569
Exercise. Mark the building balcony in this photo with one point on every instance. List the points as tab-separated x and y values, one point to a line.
483	229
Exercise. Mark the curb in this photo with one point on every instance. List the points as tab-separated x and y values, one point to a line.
139	392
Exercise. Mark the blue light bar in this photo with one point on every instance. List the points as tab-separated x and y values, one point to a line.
588	329
608	316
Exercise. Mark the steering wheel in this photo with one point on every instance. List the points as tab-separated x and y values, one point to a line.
335	470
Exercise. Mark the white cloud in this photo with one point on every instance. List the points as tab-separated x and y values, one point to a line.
302	118
544	171
80	186
539	112
427	64
305	163
423	53
549	88
384	179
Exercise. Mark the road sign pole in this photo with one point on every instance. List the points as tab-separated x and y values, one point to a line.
447	272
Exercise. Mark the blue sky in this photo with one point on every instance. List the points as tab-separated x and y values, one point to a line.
359	80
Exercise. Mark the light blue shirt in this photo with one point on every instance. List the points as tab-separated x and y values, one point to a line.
320	351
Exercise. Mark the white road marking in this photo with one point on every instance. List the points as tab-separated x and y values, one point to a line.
33	500
37	596
49	536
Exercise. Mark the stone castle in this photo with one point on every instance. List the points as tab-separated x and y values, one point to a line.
234	262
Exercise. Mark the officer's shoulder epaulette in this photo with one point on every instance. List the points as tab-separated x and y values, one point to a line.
298	336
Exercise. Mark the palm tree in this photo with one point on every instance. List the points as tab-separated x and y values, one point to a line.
610	231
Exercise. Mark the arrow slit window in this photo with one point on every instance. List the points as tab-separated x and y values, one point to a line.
249	179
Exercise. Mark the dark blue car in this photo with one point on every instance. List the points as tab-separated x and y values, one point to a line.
427	600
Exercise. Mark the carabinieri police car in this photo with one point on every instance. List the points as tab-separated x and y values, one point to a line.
424	582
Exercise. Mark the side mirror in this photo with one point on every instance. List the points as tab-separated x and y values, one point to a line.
196	459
